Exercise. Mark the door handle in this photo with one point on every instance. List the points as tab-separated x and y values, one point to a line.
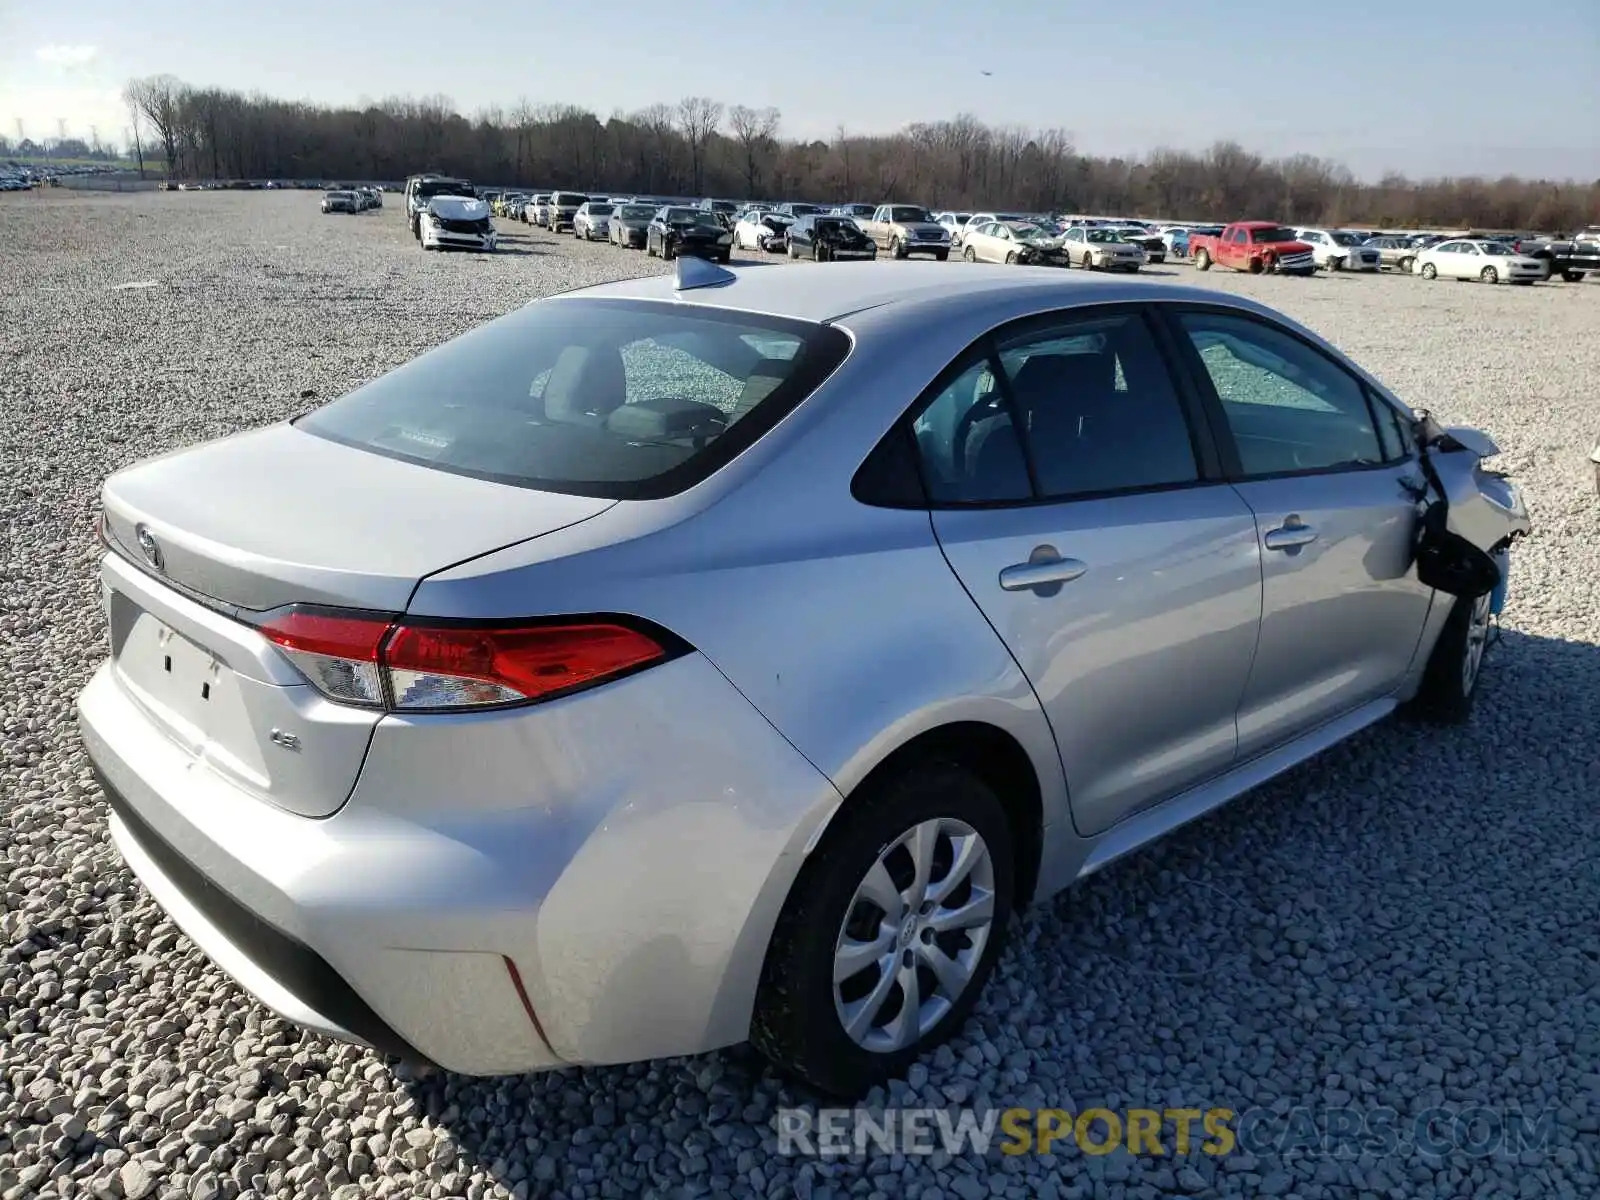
1291	535
1043	568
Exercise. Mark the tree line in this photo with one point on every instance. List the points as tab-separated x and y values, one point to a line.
701	147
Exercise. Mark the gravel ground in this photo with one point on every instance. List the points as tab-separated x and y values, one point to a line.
1408	923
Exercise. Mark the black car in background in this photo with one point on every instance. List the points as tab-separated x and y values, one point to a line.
694	231
828	239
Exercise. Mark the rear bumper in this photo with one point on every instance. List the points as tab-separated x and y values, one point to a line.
502	893
286	974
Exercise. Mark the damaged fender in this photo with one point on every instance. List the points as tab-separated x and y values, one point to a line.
1474	514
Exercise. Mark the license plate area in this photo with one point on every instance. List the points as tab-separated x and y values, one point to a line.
181	683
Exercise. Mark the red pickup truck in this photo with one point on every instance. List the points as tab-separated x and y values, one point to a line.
1255	246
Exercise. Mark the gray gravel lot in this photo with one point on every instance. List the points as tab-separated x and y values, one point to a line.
1410	923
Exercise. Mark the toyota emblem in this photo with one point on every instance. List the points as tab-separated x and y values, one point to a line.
148	546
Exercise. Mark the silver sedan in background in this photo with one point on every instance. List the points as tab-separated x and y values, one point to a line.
593	220
727	656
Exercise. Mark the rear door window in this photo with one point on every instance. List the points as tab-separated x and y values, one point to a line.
615	399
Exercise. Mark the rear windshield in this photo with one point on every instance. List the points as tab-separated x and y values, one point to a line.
599	210
606	398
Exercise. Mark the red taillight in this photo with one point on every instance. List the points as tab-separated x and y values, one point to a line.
336	652
377	661
314	632
453	666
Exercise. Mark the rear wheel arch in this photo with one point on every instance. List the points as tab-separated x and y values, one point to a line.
995	757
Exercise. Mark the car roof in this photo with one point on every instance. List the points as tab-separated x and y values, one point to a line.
840	289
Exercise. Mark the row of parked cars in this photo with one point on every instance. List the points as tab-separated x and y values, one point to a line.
715	228
351	200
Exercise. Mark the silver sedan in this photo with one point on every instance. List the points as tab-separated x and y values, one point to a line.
691	660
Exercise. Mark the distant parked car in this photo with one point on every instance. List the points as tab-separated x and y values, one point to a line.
768	231
341	202
858	212
629	225
593	220
1097	248
1176	237
958	238
1152	243
904	229
1011	242
797	208
675	230
1340	250
1394	253
563	208
457	223
422	189
828	238
538	210
1485	261
726	210
953	223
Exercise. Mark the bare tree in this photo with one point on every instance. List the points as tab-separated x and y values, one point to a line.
660	122
754	130
158	98
698	119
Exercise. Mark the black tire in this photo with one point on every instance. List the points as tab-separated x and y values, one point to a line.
795	1023
667	253
1336	264
1408	265
1429	271
944	255
725	257
1202	260
1572	276
897	248
1489	275
1011	258
970	255
819	252
1448	688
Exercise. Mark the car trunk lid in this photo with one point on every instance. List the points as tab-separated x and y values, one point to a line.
267	519
280	516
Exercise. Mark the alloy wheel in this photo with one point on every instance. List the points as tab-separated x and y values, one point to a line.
914	934
1477	643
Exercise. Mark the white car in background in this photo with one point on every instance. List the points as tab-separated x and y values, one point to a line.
1471	258
457	222
1340	250
1096	248
762	229
954	223
985	218
593	220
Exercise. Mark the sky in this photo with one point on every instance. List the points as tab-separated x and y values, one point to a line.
1424	87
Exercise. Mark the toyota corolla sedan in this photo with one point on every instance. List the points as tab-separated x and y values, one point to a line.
569	695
